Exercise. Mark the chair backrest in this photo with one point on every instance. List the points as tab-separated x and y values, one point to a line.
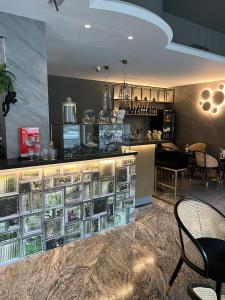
200	219
206	160
201	292
169	147
197	147
197	219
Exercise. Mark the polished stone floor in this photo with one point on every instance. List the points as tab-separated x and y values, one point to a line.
133	262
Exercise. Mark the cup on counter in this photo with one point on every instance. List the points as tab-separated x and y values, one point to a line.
53	153
45	153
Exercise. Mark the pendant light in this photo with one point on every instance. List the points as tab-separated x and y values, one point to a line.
125	90
56	3
107	99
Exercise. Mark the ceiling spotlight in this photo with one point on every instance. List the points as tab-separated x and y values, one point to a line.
87	26
130	37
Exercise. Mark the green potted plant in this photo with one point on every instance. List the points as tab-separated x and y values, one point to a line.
7	80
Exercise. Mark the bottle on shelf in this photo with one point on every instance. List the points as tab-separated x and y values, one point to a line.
137	110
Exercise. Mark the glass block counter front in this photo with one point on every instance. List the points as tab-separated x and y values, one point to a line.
47	206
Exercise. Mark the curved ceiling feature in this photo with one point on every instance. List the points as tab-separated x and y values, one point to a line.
135	11
153	59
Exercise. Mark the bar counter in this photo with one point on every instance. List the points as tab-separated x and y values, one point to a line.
47	204
24	163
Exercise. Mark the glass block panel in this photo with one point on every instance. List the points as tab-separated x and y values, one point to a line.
54	198
47	172
9	206
9	251
54	228
25	187
73	214
30	174
8	184
36	185
32	245
25	200
87	210
87	191
107	188
36	201
54	243
122	174
99	206
103	223
62	180
120	217
74	227
73	194
95	225
73	168
87	228
32	223
107	170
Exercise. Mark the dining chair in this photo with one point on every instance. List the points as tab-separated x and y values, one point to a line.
206	163
202	236
169	147
197	147
201	292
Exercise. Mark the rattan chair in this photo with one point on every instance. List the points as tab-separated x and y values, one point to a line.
202	236
197	147
201	292
169	147
205	163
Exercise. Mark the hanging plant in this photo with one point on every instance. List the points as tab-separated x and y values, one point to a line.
7	80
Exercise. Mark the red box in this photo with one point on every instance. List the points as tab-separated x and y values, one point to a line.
29	140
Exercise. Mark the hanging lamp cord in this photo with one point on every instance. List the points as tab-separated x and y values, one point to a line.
124	72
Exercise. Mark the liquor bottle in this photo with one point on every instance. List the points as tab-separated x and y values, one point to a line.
146	110
138	110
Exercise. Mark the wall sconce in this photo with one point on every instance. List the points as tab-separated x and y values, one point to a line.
211	101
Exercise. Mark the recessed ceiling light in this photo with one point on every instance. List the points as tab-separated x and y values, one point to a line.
87	26
130	37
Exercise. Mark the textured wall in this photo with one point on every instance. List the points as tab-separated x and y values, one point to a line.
86	93
27	58
192	124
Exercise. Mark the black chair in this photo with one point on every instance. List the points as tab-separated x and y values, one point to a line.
202	236
201	292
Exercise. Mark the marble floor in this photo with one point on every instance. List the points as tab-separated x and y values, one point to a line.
128	263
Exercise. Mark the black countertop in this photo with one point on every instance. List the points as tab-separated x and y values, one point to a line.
19	163
148	142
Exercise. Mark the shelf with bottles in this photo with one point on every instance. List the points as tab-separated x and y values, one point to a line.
146	94
144	110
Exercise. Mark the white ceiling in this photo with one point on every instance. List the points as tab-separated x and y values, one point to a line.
74	51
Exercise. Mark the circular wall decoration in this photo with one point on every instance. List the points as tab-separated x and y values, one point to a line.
214	110
221	87
206	94
210	101
218	98
206	106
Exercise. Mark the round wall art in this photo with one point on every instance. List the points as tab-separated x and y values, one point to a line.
211	101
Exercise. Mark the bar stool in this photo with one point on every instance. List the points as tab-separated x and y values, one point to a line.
171	162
